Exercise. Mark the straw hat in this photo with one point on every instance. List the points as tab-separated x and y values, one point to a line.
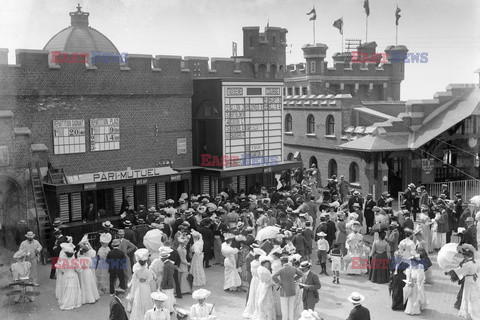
262	259
30	235
115	242
356	298
321	234
259	252
107	224
158	296
201	294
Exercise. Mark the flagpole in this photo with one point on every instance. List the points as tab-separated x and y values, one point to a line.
342	35
366	30
314	32
396	35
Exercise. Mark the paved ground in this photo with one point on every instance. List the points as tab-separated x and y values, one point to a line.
229	306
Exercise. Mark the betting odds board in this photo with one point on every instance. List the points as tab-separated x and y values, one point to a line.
68	136
104	134
252	123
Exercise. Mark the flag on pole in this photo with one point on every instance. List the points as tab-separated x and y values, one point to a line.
397	15
312	14
339	25
366	5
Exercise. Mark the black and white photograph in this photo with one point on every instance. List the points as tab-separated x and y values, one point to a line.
239	159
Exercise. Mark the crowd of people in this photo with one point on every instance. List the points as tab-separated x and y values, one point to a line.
265	240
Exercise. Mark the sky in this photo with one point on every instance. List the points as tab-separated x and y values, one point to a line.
448	30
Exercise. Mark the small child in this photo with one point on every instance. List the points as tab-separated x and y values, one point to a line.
336	255
323	247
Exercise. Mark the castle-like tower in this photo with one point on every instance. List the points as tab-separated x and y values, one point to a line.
267	50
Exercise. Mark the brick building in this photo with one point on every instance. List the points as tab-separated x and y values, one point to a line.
95	131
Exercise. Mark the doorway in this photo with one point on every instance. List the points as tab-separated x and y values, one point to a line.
395	174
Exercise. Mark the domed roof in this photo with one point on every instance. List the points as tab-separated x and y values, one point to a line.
79	37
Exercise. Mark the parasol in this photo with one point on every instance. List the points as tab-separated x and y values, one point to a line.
153	240
475	200
268	232
448	256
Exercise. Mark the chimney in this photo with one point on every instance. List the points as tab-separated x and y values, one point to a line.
3	56
79	18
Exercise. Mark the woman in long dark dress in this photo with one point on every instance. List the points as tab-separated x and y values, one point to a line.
397	284
380	263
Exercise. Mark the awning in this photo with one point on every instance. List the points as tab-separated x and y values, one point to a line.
115	179
240	171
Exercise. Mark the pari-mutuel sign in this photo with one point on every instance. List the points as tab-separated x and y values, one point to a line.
123	175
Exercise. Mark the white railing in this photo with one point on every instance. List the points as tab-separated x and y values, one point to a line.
468	188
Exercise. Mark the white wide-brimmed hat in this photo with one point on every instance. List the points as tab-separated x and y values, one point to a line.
201	294
265	258
30	234
164	251
105	238
141	254
67	247
159	296
356	298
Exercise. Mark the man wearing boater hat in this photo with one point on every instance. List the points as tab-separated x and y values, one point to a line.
33	249
286	278
358	312
310	284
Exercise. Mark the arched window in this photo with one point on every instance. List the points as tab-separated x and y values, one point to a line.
290	157
354	172
330	126
332	168
313	160
310	124
288	123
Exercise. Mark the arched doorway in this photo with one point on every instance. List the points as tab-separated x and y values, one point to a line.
313	160
332	168
11	211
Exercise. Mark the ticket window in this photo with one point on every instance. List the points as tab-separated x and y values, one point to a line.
141	195
101	199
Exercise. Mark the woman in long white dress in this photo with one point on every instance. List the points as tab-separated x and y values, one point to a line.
469	269
252	291
266	304
183	268
414	290
197	270
354	247
70	294
424	225
232	278
140	286
202	310
103	278
88	282
58	273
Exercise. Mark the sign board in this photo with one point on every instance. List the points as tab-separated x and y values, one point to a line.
252	123
140	174
104	134
182	146
428	170
175	177
68	136
141	181
90	186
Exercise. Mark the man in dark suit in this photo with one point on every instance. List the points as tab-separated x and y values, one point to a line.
409	196
286	278
127	205
368	213
331	231
208	239
117	262
140	230
55	249
308	235
311	285
117	311
470	234
300	243
175	259
358	312
355	199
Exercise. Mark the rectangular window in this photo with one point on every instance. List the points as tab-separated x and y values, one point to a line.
254	91
274	41
297	91
313	67
290	91
304	90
